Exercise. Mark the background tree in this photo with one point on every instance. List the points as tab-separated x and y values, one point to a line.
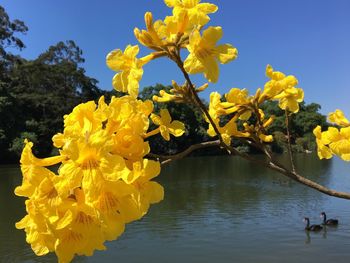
8	110
35	94
301	126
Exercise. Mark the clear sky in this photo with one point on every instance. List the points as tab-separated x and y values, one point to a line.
307	38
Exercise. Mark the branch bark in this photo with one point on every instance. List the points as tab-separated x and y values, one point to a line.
169	158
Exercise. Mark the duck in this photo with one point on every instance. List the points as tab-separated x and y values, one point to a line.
329	222
312	227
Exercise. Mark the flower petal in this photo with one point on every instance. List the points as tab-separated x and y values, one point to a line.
226	53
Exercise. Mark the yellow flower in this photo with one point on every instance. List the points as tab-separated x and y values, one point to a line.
265	138
78	231
129	144
33	171
166	97
274	75
216	110
230	130
237	96
282	88
278	83
173	26
149	192
205	55
180	94
215	106
237	100
167	126
333	141
151	37
290	98
127	112
338	118
37	230
130	67
197	12
339	141
240	106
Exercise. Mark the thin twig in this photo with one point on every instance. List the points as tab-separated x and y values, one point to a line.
169	158
289	141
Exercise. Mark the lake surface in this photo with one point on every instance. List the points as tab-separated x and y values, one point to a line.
216	209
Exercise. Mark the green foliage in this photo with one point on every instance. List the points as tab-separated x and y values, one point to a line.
18	143
35	94
8	29
301	126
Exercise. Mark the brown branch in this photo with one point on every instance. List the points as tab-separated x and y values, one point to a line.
169	158
274	165
177	59
307	182
270	164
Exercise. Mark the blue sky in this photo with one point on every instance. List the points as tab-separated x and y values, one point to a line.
307	38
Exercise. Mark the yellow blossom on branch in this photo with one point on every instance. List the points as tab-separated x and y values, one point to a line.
151	37
290	98
167	126
333	141
282	88
237	100
197	12
129	68
175	27
179	93
239	106
338	118
205	54
339	141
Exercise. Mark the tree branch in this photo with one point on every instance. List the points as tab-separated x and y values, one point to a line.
276	166
270	164
177	59
169	158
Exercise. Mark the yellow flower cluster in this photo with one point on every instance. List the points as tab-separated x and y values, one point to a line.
166	37
103	182
180	94
334	141
238	105
282	88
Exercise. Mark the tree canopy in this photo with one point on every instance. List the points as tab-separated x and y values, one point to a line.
35	94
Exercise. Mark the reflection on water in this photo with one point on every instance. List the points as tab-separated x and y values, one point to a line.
220	209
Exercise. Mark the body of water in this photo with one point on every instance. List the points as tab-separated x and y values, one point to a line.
216	209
